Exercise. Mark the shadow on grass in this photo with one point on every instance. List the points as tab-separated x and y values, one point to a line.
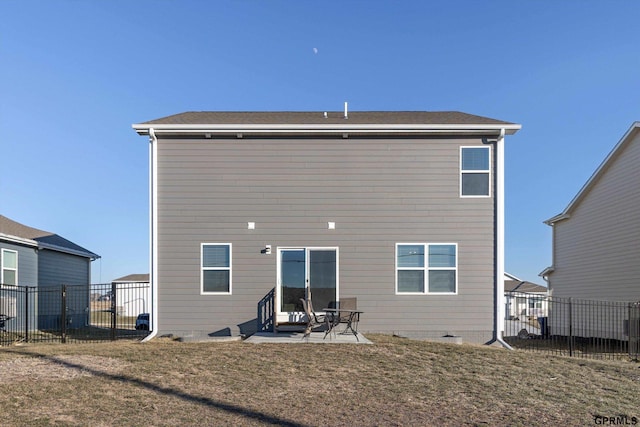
205	401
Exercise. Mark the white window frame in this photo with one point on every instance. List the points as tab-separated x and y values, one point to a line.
203	268
3	268
427	268
487	171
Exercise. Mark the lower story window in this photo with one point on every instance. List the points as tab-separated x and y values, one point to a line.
426	268
9	272
216	268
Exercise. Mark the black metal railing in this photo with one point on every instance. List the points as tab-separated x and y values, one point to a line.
74	313
266	312
571	326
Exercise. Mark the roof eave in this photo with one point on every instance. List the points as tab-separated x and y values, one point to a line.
511	276
546	271
557	218
594	177
482	129
16	239
70	251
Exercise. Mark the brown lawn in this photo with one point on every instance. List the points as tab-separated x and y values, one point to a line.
393	382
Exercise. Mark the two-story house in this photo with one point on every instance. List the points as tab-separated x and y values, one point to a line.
402	210
595	250
42	261
595	238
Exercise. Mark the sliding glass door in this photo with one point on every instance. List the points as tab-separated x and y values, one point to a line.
304	273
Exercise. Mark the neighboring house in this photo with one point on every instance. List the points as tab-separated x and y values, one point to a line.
524	299
595	243
595	240
133	294
42	260
402	210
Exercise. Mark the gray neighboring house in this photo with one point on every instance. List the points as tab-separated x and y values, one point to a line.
251	211
41	259
595	240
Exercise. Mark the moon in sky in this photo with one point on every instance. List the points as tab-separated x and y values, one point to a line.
315	50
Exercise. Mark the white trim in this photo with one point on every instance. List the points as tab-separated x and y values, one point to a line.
70	251
234	129
557	218
3	268
16	239
487	171
203	268
41	245
509	276
546	273
427	268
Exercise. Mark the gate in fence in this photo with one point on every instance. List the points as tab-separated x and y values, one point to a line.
74	313
572	327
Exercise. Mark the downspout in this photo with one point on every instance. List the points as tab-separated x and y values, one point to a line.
153	233
500	250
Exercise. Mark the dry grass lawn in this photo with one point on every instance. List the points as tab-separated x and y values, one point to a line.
393	382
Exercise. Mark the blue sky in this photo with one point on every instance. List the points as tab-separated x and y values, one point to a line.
74	76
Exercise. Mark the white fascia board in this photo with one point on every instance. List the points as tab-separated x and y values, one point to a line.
557	218
546	271
16	239
40	245
508	276
143	129
57	248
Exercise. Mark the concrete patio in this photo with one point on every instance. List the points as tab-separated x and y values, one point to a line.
299	338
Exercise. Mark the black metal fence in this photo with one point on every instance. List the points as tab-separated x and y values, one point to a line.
572	327
78	313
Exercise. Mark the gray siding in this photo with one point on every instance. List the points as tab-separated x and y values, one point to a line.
57	268
596	250
27	263
379	192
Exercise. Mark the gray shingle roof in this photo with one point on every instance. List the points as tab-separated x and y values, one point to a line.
14	228
134	278
333	117
44	239
523	286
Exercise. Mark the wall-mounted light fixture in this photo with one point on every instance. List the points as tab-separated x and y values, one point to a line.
266	250
251	226
331	225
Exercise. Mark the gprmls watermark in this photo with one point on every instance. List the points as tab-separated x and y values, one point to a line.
619	420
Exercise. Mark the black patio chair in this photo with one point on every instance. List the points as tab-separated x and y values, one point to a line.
313	320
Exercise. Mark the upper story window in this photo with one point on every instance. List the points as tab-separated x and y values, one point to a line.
216	268
423	268
9	273
475	171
